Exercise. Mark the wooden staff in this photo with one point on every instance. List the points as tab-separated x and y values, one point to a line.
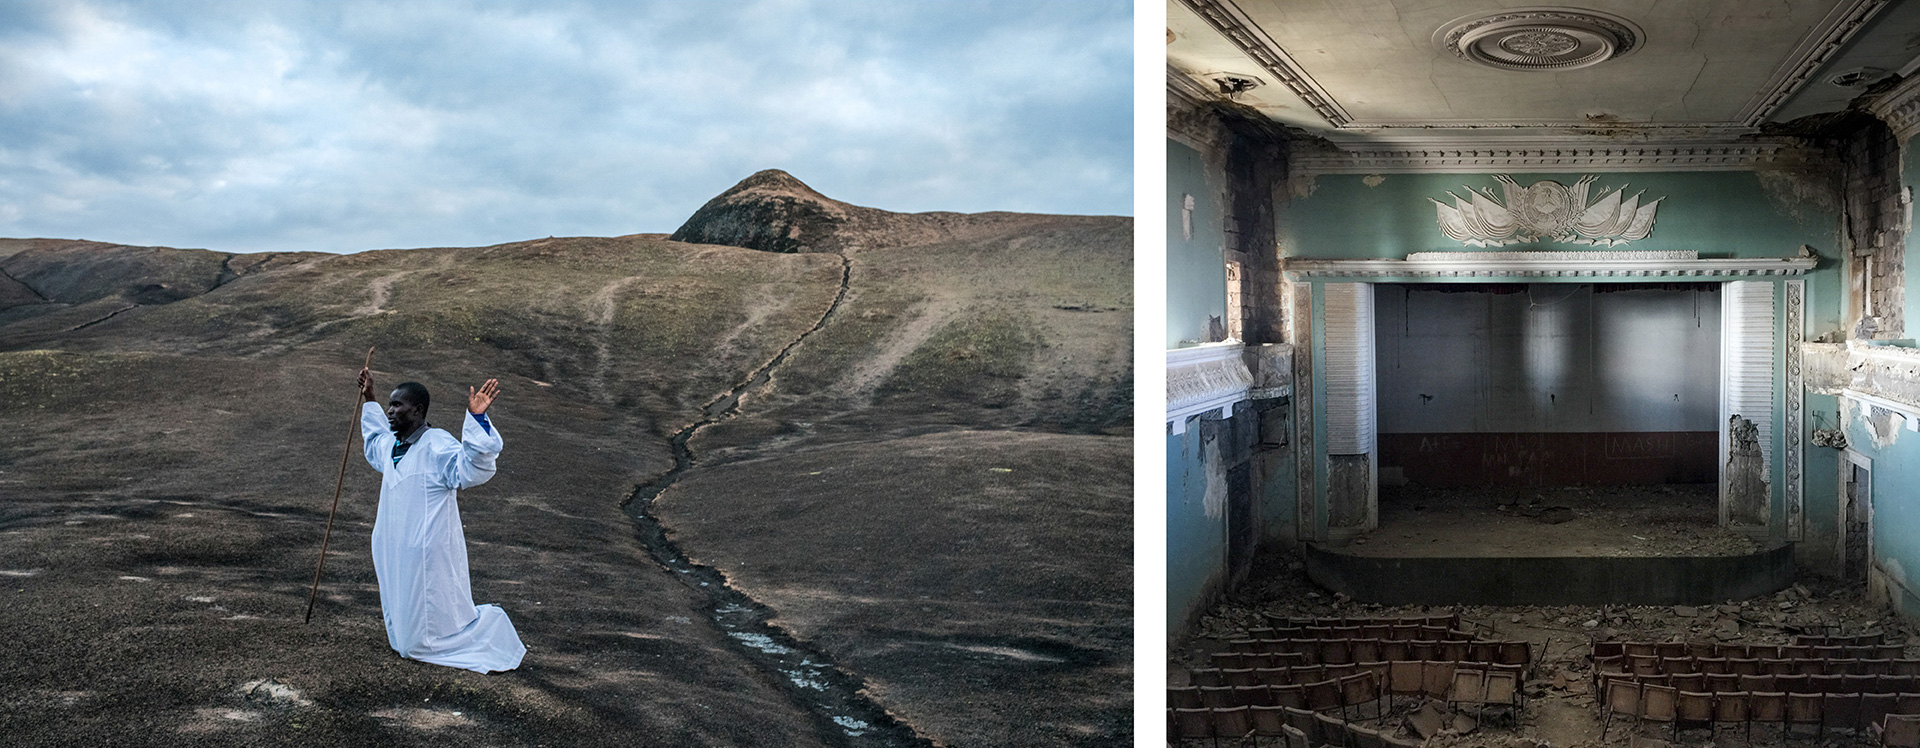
344	451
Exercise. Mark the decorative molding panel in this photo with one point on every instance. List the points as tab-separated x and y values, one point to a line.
1542	39
1796	410
1571	153
1232	23
1349	368
1594	255
1900	108
1598	266
1306	452
1205	378
1545	209
1816	48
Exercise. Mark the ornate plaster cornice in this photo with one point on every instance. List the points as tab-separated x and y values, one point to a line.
1886	376
1232	23
1183	91
1816	48
1599	266
1205	378
1900	108
1534	154
1188	119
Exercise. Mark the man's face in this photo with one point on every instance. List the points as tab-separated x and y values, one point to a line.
403	415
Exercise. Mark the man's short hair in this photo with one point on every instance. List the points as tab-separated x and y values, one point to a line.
415	393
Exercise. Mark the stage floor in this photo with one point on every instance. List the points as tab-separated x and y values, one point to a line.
1676	520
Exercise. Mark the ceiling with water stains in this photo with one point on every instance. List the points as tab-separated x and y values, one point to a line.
1359	69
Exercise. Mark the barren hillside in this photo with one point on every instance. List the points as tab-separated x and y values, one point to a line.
891	445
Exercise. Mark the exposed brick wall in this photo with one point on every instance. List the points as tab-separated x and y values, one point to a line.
1876	227
1256	171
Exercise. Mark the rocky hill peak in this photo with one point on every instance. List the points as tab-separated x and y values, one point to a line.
770	211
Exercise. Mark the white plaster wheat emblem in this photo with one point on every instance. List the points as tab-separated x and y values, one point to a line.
1546	210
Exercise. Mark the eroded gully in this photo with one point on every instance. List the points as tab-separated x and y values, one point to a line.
842	715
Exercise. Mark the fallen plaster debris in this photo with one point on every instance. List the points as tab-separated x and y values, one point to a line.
1427	721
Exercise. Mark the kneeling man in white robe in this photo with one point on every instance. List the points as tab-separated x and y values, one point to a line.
419	550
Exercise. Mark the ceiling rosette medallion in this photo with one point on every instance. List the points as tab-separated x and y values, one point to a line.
1545	210
1540	38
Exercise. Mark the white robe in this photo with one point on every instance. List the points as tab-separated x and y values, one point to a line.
420	553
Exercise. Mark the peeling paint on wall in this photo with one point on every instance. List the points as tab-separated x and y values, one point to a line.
1747	492
1348	486
1883	426
1895	572
1373	180
1804	196
1214	501
1302	185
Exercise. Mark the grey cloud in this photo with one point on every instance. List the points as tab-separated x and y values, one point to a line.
345	126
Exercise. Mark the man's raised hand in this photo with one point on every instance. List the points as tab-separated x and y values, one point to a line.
477	401
366	386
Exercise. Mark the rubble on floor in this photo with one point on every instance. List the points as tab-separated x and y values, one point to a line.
1665	520
1560	706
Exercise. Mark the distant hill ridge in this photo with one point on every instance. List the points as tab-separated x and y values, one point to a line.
770	211
774	212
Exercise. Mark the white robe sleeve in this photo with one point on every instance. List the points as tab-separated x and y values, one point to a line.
478	448
375	436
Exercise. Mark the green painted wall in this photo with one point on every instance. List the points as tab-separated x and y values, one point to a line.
1196	290
1820	481
1718	214
1196	543
1196	267
1896	467
1896	508
1721	214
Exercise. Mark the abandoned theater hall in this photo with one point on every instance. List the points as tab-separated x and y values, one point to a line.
1542	375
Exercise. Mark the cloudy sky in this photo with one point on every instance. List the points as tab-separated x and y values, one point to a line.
241	125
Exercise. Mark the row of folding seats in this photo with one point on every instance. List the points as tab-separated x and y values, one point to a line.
1850	711
1408	675
1445	680
1654	665
1340	651
1856	640
1786	683
1447	620
1296	728
1472	686
1314	697
1334	693
1258	660
1280	676
1399	632
1750	651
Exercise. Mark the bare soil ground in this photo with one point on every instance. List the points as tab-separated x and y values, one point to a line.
895	588
1550	521
173	424
1560	710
